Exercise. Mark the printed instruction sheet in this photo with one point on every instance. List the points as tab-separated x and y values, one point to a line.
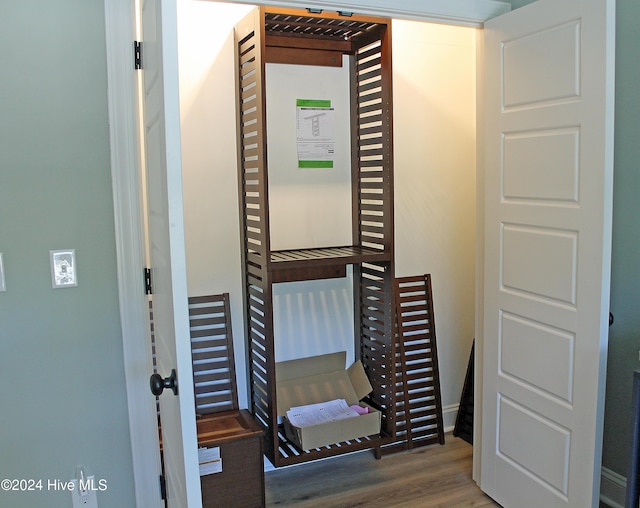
315	133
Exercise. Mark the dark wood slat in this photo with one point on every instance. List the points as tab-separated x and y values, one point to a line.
368	131
365	53
310	258
247	54
248	67
247	44
292	41
377	163
326	28
367	142
206	317
368	108
212	299
216	329
464	420
204	389
409	299
373	85
409	329
249	117
209	338
297	56
366	76
213	362
211	376
309	273
419	400
375	60
296	456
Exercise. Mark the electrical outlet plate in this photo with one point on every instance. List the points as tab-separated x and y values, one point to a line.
3	287
63	268
84	498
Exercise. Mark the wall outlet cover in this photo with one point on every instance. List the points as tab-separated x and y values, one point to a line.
63	268
84	496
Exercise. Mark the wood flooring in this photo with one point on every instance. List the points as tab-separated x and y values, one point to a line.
430	476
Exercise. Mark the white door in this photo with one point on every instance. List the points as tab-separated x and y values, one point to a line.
548	199
167	250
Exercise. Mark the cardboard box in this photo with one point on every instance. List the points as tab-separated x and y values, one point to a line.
321	379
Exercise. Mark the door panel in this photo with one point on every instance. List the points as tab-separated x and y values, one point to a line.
526	344
530	59
539	261
161	120
549	461
542	165
548	194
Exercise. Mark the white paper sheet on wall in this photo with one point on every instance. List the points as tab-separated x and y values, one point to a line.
315	133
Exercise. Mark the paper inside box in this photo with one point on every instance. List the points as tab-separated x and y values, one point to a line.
319	379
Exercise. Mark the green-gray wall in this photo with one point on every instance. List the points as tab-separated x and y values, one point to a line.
624	337
63	400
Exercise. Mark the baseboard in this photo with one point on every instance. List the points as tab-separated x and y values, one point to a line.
612	488
449	414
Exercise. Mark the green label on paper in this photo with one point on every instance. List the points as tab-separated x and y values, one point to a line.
313	103
315	164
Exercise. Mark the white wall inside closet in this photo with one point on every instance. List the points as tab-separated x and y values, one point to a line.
434	137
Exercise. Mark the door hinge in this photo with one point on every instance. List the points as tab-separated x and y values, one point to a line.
148	289
137	55
163	487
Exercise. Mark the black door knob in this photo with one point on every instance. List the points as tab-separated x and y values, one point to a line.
158	384
610	319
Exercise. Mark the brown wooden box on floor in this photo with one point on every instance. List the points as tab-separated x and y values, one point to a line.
241	481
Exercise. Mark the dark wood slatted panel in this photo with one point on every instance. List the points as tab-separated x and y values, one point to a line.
417	382
261	357
290	259
373	181
372	216
289	454
464	420
314	27
214	375
299	56
375	337
372	251
253	185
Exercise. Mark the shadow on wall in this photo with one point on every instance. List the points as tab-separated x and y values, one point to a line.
313	318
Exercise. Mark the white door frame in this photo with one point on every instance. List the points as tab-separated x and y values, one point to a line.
122	106
127	203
